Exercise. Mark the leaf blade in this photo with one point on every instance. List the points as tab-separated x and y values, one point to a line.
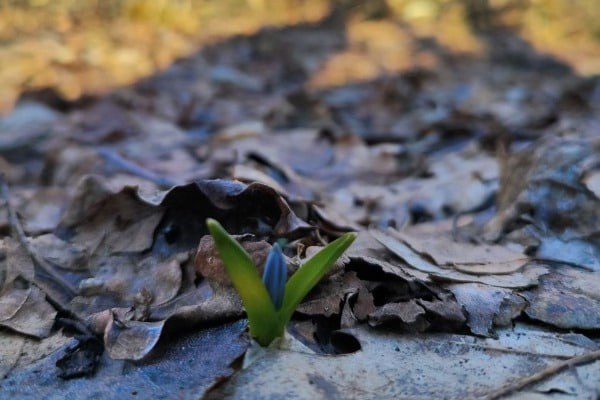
262	317
311	272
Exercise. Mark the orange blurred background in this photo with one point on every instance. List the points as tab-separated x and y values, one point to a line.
92	46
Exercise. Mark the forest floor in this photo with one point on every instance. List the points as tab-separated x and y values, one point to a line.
468	163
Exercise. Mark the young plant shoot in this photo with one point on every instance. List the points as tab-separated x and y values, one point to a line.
270	301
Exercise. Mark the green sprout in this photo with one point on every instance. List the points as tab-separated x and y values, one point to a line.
270	302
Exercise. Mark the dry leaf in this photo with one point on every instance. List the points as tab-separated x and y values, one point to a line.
521	279
409	366
479	259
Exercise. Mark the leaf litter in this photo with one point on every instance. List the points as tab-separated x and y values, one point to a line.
477	252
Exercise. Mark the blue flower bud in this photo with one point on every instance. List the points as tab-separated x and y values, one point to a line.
275	274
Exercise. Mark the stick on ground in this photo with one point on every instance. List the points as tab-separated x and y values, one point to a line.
543	374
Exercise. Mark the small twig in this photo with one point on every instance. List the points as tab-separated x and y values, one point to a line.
19	234
507	350
135	169
543	374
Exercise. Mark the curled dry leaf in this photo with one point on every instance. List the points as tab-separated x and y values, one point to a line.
131	340
327	298
106	222
527	275
445	314
117	280
406	316
481	259
370	251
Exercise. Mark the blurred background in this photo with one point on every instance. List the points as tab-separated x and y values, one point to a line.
90	47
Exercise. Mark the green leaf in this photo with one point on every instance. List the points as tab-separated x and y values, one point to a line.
311	272
262	318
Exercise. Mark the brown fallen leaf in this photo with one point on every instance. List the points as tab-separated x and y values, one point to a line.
116	281
125	338
479	259
406	316
327	298
131	340
511	307
41	212
444	315
61	253
364	304
255	208
35	317
11	345
23	306
17	264
368	250
248	174
106	222
11	300
326	306
482	305
526	277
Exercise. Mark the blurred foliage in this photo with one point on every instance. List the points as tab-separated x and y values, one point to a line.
95	45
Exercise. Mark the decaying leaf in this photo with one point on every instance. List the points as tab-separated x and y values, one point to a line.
34	317
185	367
479	259
566	298
406	316
482	304
106	222
526	275
10	352
60	253
41	212
408	366
23	306
327	298
131	340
